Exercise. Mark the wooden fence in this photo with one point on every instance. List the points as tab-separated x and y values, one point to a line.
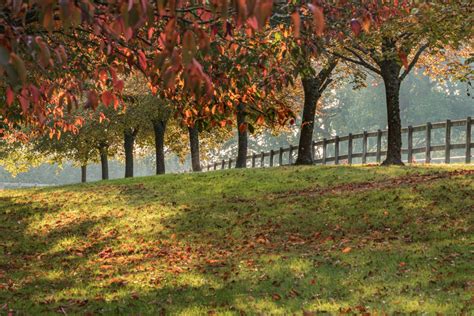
371	146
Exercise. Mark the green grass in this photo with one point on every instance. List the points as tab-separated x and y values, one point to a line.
278	241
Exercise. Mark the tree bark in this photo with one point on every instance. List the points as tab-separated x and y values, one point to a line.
313	88
129	140
104	161
311	97
390	70
242	138
84	173
194	144
159	127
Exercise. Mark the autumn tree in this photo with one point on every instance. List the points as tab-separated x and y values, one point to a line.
386	38
46	46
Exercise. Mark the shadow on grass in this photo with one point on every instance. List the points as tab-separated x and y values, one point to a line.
246	253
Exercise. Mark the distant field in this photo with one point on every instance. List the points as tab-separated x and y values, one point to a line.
299	240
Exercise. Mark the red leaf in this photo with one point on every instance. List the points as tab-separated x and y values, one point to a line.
403	58
356	27
103	75
253	22
25	104
346	250
10	96
118	85
242	127
92	100
151	30
107	98
318	19
142	59
296	20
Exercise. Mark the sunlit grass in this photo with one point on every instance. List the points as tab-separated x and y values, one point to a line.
279	241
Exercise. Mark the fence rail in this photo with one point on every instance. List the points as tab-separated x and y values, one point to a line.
15	185
322	152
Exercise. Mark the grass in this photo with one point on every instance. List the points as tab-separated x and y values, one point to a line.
302	240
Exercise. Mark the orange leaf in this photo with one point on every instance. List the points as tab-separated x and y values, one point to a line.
366	22
276	297
103	75
10	96
346	250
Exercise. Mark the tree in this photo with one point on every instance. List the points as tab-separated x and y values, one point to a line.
390	36
313	87
46	48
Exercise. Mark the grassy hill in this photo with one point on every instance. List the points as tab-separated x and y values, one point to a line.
297	240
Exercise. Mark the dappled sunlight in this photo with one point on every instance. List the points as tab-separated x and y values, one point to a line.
239	250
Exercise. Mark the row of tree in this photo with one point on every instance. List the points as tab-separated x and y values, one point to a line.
208	66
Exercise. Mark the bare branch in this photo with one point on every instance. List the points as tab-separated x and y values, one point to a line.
361	63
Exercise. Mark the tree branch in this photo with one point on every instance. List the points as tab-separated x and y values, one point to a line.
361	63
414	61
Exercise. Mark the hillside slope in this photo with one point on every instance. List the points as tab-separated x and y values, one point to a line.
278	240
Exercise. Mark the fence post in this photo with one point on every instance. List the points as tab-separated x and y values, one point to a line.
325	145
447	150
280	157
271	157
208	167
468	139
253	160
223	164
262	159
379	145
428	143
313	150
364	148
215	166
290	157
336	150
410	144
230	163
349	149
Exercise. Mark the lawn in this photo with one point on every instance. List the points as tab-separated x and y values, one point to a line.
300	240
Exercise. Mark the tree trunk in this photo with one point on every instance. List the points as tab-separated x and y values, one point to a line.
104	161
129	140
311	96
390	73
243	138
194	144
84	173
313	88
160	128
